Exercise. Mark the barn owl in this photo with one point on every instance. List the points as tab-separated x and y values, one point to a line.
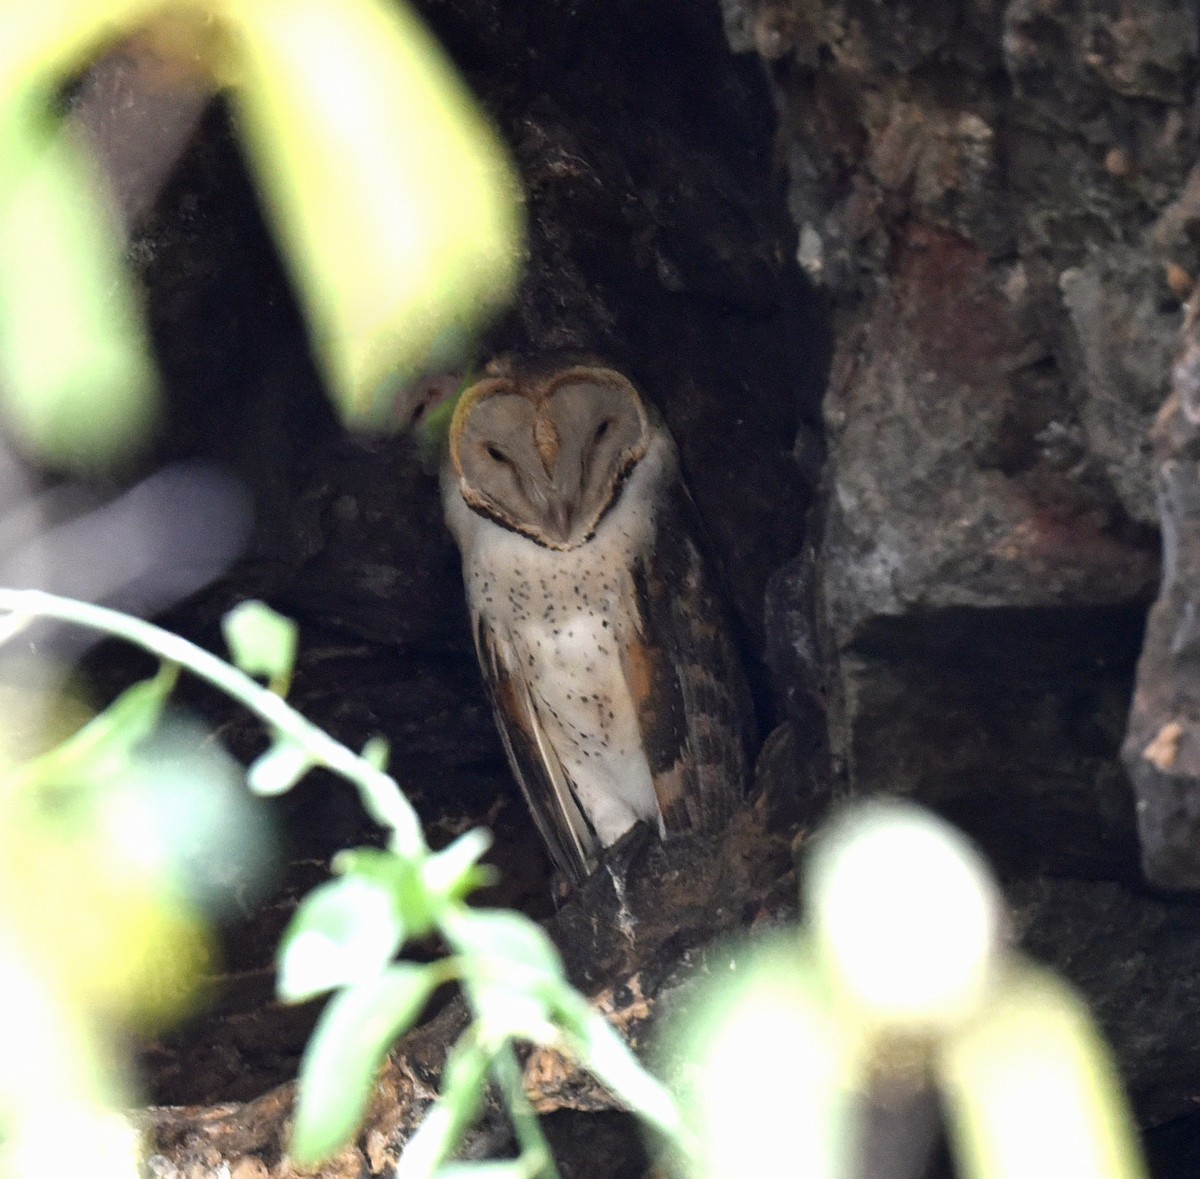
606	655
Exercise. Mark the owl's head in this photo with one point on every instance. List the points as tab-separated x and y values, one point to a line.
547	457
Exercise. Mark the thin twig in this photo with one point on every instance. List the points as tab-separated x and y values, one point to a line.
380	792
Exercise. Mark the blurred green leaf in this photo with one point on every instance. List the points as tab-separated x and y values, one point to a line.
395	201
184	811
351	1040
57	1075
375	864
454	872
504	1011
1032	1092
101	749
595	1044
50	1050
439	1135
509	967
262	642
506	942
399	876
376	753
397	206
52	40
344	932
766	1017
280	768
76	382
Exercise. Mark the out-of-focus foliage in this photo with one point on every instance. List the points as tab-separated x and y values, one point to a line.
118	844
122	835
58	1081
83	883
77	381
346	934
395	205
900	982
397	208
262	642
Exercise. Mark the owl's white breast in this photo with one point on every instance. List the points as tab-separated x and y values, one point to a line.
567	615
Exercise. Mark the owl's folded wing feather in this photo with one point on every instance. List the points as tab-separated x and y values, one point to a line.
689	689
536	766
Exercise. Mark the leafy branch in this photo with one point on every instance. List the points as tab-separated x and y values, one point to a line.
346	934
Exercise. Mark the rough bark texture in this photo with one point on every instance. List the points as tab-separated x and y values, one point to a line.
994	218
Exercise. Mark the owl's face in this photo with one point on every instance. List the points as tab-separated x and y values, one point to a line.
547	458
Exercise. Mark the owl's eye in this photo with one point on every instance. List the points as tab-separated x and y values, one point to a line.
601	430
496	454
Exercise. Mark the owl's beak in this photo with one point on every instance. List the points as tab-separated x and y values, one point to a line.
560	518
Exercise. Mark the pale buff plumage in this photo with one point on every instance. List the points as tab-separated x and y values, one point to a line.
606	656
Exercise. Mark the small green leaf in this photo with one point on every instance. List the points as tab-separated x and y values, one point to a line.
376	752
352	1037
344	932
76	380
463	1083
512	943
101	749
506	1012
596	1045
279	769
399	875
262	642
454	872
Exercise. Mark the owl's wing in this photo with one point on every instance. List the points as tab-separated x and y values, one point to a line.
687	682
536	766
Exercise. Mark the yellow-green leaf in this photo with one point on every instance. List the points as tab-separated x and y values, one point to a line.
52	39
394	200
75	376
101	749
262	642
1032	1092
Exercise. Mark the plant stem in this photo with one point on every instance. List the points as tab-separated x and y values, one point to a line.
535	1150
380	792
